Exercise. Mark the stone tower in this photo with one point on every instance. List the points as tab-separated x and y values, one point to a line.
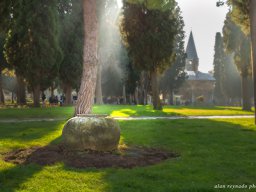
192	60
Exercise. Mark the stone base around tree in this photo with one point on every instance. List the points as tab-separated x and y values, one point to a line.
91	132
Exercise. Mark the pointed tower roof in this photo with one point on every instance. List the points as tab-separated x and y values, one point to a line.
191	48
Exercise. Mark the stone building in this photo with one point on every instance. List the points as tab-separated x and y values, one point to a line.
199	86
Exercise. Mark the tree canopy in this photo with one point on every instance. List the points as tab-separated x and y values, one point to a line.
71	41
149	35
239	44
32	46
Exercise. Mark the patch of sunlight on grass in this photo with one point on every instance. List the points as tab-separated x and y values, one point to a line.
49	138
22	135
207	111
4	165
122	139
123	113
245	124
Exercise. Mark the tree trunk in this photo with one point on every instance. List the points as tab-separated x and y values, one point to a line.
141	95
141	88
36	95
12	97
124	94
68	95
171	98
246	94
89	76
52	91
145	97
146	86
253	38
1	89
155	91
21	91
98	93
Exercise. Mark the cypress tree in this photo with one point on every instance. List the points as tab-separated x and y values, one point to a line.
238	43
149	35
175	75
231	78
218	68
3	65
32	46
72	34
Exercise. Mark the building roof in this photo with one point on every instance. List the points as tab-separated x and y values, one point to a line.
191	48
200	76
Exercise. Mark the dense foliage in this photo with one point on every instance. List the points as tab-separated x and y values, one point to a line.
71	35
32	46
149	35
175	75
240	44
218	68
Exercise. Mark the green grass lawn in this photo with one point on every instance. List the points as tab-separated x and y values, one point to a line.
220	151
119	111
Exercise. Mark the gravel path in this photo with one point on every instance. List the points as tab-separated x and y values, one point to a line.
131	118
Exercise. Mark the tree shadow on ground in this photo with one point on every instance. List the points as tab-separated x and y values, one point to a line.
16	135
14	176
212	152
27	131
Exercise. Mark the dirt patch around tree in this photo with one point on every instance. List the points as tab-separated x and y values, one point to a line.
124	157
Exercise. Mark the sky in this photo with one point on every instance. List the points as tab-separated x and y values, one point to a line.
204	19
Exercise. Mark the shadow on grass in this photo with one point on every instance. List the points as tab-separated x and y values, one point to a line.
212	152
48	112
139	110
13	178
27	131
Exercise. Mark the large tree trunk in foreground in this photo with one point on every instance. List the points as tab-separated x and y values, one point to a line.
36	95
253	38
21	90
87	89
246	94
68	95
155	91
98	93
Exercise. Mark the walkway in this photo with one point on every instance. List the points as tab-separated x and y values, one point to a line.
131	118
184	117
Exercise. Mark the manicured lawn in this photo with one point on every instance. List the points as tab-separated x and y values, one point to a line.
119	111
217	151
49	112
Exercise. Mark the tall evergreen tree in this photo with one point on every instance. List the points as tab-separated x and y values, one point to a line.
5	14
3	65
218	69
244	14
150	35
238	43
230	79
72	34
32	46
175	76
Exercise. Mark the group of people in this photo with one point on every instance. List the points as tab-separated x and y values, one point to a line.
53	100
